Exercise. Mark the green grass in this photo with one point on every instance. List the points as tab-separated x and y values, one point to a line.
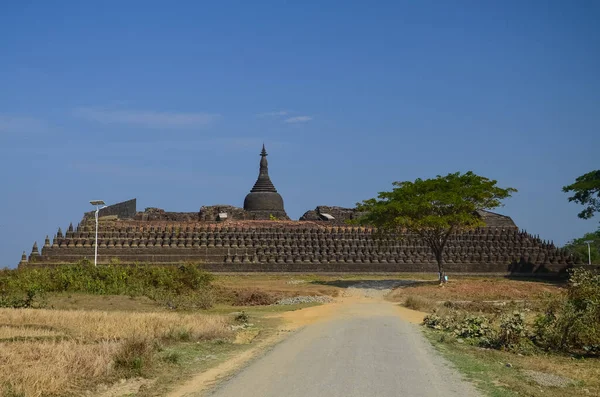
487	369
181	361
483	373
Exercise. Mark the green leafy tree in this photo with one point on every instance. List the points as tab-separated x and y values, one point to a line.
586	191
433	209
579	248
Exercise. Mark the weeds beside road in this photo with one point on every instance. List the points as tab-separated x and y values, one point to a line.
516	336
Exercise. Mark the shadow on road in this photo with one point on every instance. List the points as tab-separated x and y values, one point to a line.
368	284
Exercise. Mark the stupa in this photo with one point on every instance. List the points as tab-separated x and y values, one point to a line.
263	201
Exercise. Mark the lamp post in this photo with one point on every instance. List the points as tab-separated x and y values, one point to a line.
97	203
588	242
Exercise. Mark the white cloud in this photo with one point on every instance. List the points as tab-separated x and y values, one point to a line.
16	125
273	114
298	119
145	118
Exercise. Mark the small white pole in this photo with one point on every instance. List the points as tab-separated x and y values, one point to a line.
588	242
97	204
96	245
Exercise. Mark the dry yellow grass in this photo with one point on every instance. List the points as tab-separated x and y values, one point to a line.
53	368
98	326
478	289
60	367
10	332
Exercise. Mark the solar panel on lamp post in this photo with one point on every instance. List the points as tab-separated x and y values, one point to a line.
97	203
588	242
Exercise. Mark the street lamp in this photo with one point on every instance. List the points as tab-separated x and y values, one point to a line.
97	203
588	242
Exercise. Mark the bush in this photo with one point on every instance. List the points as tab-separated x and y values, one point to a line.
111	279
134	356
242	317
572	323
32	299
473	326
203	299
253	298
434	321
513	333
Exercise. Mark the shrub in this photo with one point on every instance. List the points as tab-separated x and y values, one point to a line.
203	299
477	328
417	303
434	321
242	317
191	277
441	322
572	323
473	326
253	298
32	299
513	333
110	280
134	356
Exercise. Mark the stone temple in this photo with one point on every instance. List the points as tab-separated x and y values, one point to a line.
261	237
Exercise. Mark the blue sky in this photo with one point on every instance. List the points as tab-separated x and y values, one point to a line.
170	102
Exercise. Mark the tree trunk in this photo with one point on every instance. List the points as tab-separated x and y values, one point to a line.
442	272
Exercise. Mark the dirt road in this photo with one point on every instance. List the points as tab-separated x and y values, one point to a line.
361	346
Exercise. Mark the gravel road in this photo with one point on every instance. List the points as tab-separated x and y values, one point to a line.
366	349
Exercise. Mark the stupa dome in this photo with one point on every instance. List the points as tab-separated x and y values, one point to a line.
264	197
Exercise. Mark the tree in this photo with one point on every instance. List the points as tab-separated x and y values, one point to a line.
433	209
587	193
579	248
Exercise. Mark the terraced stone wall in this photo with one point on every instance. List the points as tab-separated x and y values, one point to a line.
299	246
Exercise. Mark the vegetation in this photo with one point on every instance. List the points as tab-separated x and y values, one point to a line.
526	337
579	247
56	352
503	373
586	191
177	286
434	209
570	322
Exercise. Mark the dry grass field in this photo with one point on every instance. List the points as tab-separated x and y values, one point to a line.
56	352
428	295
